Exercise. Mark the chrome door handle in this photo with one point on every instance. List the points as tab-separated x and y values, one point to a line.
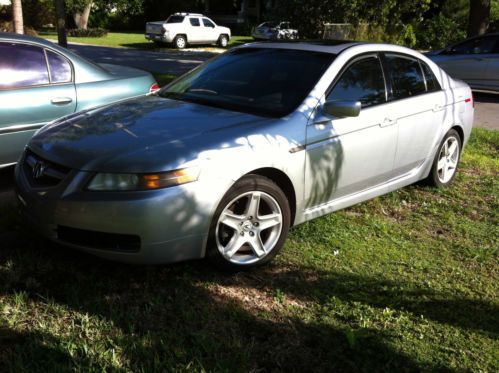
388	122
438	107
61	100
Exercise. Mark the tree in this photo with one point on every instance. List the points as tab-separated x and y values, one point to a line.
81	14
61	22
479	17
17	16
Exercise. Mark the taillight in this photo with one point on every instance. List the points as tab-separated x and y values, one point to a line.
154	88
163	29
472	100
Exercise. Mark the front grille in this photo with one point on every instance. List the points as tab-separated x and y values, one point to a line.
42	173
99	240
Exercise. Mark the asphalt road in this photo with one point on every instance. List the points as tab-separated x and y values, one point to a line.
179	62
167	61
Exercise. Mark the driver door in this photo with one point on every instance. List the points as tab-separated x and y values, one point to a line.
349	155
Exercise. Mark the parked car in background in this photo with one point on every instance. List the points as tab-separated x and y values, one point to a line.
222	161
182	29
475	60
40	82
274	31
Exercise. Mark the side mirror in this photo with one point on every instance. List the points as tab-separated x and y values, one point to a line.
342	109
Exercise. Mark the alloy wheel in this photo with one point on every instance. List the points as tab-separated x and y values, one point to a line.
249	227
448	159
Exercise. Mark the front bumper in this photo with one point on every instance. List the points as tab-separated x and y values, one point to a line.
146	227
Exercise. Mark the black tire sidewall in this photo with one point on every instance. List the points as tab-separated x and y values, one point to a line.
433	177
247	184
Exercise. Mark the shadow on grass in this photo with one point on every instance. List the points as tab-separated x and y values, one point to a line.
169	316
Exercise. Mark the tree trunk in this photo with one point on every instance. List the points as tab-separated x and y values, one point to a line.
60	11
81	18
17	16
479	17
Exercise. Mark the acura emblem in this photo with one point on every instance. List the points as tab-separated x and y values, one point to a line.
38	169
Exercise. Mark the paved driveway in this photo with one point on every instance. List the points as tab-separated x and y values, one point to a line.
487	110
168	61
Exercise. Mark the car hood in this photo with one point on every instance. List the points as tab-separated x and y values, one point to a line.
146	134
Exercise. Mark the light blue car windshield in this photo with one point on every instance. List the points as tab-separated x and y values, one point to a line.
260	81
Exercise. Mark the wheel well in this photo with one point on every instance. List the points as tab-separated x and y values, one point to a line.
184	35
460	132
282	180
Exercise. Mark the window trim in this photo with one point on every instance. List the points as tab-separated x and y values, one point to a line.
48	66
43	48
191	19
349	63
407	56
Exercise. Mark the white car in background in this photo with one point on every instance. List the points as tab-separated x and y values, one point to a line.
182	29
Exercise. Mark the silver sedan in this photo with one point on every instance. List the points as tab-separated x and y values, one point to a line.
224	160
475	60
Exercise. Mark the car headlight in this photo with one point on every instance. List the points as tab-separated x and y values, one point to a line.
129	182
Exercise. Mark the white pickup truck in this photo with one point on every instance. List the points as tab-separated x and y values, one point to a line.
182	29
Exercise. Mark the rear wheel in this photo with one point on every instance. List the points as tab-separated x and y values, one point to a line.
180	42
250	225
443	170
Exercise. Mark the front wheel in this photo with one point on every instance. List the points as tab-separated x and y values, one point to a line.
250	224
443	170
223	41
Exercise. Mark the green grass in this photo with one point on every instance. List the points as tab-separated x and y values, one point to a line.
126	40
405	282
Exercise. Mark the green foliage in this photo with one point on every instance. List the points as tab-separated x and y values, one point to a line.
89	33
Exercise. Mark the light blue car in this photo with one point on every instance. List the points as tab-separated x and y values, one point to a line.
40	82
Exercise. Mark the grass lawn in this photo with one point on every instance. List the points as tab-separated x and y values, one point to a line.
405	282
127	40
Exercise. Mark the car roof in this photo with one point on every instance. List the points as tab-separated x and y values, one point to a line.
327	46
32	39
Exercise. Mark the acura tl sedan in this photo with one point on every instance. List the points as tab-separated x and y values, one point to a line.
40	82
224	160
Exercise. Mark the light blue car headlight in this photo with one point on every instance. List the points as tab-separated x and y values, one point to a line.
129	182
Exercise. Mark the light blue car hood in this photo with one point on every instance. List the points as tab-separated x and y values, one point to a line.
147	134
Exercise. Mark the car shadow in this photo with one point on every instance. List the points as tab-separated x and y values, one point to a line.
191	312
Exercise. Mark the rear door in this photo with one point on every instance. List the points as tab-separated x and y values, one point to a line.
470	60
196	31
36	87
419	106
349	155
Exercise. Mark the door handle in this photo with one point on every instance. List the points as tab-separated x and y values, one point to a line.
438	107
61	100
388	122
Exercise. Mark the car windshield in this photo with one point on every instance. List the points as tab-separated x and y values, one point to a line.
261	81
175	19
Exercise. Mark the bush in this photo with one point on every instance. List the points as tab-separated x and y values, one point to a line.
88	33
7	26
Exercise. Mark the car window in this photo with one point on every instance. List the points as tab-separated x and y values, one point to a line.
481	45
60	69
22	65
175	19
363	81
407	76
208	23
260	81
432	83
194	22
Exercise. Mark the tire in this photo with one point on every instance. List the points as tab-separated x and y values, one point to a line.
444	167
249	226
180	42
223	41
